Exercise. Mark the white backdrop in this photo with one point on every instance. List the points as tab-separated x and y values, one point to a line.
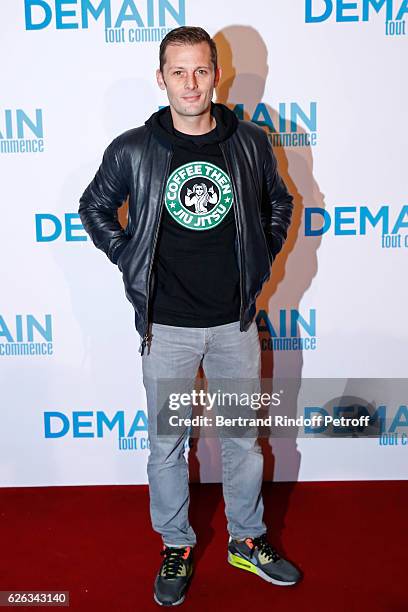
326	75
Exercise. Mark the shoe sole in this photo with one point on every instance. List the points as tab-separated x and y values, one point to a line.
242	563
176	603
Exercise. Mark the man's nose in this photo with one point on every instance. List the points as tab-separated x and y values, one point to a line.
191	81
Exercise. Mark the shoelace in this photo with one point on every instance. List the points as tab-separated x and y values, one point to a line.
173	561
265	548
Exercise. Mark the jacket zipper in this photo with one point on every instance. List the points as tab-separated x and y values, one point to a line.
237	223
146	334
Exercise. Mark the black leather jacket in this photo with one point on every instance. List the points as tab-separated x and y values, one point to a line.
136	164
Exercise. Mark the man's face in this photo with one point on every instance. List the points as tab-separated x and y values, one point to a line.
188	75
199	190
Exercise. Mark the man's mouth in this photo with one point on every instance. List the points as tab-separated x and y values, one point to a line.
191	98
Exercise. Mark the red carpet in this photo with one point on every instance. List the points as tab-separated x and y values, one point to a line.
350	540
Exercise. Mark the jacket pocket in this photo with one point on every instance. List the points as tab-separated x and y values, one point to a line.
123	251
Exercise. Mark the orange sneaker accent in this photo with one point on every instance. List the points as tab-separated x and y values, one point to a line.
187	552
249	543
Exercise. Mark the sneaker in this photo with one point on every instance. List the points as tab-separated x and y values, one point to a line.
257	555
174	574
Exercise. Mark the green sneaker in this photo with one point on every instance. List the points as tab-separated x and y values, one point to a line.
174	575
257	555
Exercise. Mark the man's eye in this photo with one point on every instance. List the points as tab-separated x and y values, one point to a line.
177	72
202	71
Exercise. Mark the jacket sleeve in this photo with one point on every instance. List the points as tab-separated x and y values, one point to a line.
276	203
98	205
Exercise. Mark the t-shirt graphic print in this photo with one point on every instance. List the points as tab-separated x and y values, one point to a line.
198	195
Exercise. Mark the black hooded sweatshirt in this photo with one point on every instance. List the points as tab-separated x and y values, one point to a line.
196	276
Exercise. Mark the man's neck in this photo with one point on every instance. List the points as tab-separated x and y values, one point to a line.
196	125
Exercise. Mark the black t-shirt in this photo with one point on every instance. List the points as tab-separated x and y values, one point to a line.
196	275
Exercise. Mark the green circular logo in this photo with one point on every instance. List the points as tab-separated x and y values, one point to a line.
198	195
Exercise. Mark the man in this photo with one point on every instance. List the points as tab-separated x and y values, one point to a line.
208	213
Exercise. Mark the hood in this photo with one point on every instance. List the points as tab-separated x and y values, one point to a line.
161	123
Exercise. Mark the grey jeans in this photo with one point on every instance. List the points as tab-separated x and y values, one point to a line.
176	353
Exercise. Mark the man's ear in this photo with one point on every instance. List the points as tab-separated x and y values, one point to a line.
217	77
160	80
